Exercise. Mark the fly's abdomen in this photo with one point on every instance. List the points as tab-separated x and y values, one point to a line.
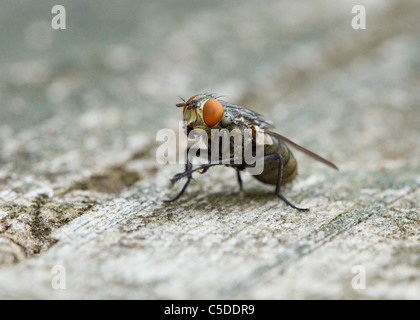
271	168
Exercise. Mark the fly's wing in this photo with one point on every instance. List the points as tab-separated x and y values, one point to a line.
308	152
248	118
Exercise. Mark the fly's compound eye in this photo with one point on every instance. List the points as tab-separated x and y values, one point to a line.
212	112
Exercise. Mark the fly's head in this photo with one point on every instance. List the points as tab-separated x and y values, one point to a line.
202	111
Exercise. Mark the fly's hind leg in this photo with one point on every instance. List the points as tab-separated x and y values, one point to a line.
279	181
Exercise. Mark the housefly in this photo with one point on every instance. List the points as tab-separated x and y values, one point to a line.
208	111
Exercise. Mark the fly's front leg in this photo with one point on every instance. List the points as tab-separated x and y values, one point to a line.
203	168
188	167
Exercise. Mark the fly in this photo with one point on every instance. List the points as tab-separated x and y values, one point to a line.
208	111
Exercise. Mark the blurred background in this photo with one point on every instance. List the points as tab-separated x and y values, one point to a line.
92	97
119	68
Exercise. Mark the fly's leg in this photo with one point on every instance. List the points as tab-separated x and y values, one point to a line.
202	168
188	167
238	173
279	180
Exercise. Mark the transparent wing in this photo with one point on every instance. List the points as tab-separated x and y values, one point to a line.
300	148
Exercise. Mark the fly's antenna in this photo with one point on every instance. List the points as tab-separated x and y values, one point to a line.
181	104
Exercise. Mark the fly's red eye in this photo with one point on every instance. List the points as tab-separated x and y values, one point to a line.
212	112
